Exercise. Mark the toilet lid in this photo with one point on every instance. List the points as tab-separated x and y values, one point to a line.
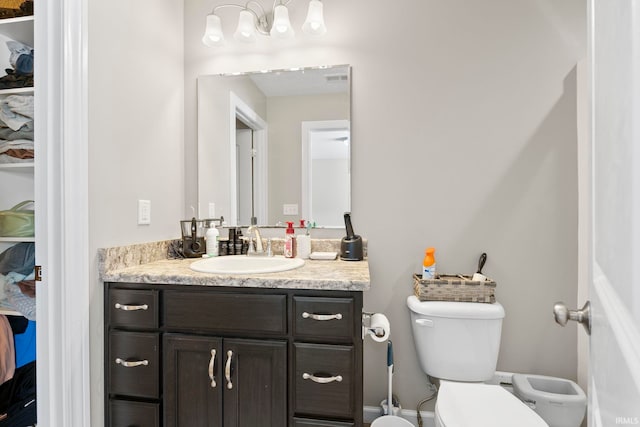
482	405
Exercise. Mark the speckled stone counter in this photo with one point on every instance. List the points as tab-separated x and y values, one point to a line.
148	263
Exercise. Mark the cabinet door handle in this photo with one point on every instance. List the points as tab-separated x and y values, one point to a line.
314	316
227	369
211	367
127	307
132	364
321	380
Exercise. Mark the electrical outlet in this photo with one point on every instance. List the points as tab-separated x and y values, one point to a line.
212	210
290	209
144	212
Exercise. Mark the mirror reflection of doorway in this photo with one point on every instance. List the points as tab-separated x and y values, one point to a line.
248	143
245	201
326	171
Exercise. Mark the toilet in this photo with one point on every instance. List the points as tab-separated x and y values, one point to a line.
458	343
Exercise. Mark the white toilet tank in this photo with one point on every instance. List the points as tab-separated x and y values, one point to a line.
456	341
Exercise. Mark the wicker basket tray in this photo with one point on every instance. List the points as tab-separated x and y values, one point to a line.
458	288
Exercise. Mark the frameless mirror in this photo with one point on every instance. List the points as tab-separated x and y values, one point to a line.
275	146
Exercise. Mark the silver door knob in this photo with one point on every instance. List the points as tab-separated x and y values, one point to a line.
563	315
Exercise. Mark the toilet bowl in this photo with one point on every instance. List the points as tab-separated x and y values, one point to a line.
458	343
391	421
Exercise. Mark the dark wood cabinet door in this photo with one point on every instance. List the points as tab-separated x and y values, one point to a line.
255	393
191	397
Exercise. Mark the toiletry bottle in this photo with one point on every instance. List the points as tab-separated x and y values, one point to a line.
303	241
429	264
211	238
290	241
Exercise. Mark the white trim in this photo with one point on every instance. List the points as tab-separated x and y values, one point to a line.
62	213
621	322
593	408
238	109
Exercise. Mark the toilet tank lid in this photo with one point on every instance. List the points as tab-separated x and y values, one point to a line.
456	310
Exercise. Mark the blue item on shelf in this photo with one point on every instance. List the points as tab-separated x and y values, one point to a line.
25	345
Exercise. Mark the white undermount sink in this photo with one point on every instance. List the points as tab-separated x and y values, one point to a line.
242	264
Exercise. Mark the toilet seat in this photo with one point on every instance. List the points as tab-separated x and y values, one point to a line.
482	405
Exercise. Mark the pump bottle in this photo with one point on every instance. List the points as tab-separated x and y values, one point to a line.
290	241
211	238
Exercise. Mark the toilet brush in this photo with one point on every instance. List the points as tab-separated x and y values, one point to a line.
390	372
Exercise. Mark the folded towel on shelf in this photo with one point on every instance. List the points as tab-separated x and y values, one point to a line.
14	296
20	104
15	111
8	134
19	258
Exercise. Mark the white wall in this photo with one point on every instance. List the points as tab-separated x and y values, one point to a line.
285	115
136	97
464	138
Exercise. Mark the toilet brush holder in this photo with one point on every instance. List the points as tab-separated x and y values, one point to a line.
396	410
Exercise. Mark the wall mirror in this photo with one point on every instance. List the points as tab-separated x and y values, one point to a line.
275	146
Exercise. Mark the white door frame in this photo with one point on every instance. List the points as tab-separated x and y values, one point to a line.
62	226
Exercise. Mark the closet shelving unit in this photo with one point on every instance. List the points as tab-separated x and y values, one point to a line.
17	179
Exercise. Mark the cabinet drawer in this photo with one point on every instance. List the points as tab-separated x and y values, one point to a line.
318	389
133	308
306	422
124	413
134	366
323	318
222	312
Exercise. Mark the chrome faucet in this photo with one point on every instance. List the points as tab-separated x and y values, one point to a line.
259	249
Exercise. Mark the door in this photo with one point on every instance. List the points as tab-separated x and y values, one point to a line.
255	391
192	381
614	389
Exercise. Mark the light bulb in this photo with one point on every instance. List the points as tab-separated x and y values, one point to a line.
281	25
213	33
314	24
246	31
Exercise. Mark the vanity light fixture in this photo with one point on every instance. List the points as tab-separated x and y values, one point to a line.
253	20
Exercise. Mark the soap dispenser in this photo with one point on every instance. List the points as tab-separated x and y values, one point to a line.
290	241
303	241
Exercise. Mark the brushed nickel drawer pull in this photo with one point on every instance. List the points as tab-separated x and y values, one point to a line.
133	364
321	380
227	369
314	316
126	307
211	365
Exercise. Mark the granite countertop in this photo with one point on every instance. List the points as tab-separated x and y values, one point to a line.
148	263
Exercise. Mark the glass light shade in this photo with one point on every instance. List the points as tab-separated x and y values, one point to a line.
246	31
213	33
281	25
314	24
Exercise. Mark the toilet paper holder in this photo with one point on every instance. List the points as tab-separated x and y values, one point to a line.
368	328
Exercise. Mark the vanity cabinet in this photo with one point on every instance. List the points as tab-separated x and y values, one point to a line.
232	357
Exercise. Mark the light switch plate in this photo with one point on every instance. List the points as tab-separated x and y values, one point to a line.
212	210
290	209
144	212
